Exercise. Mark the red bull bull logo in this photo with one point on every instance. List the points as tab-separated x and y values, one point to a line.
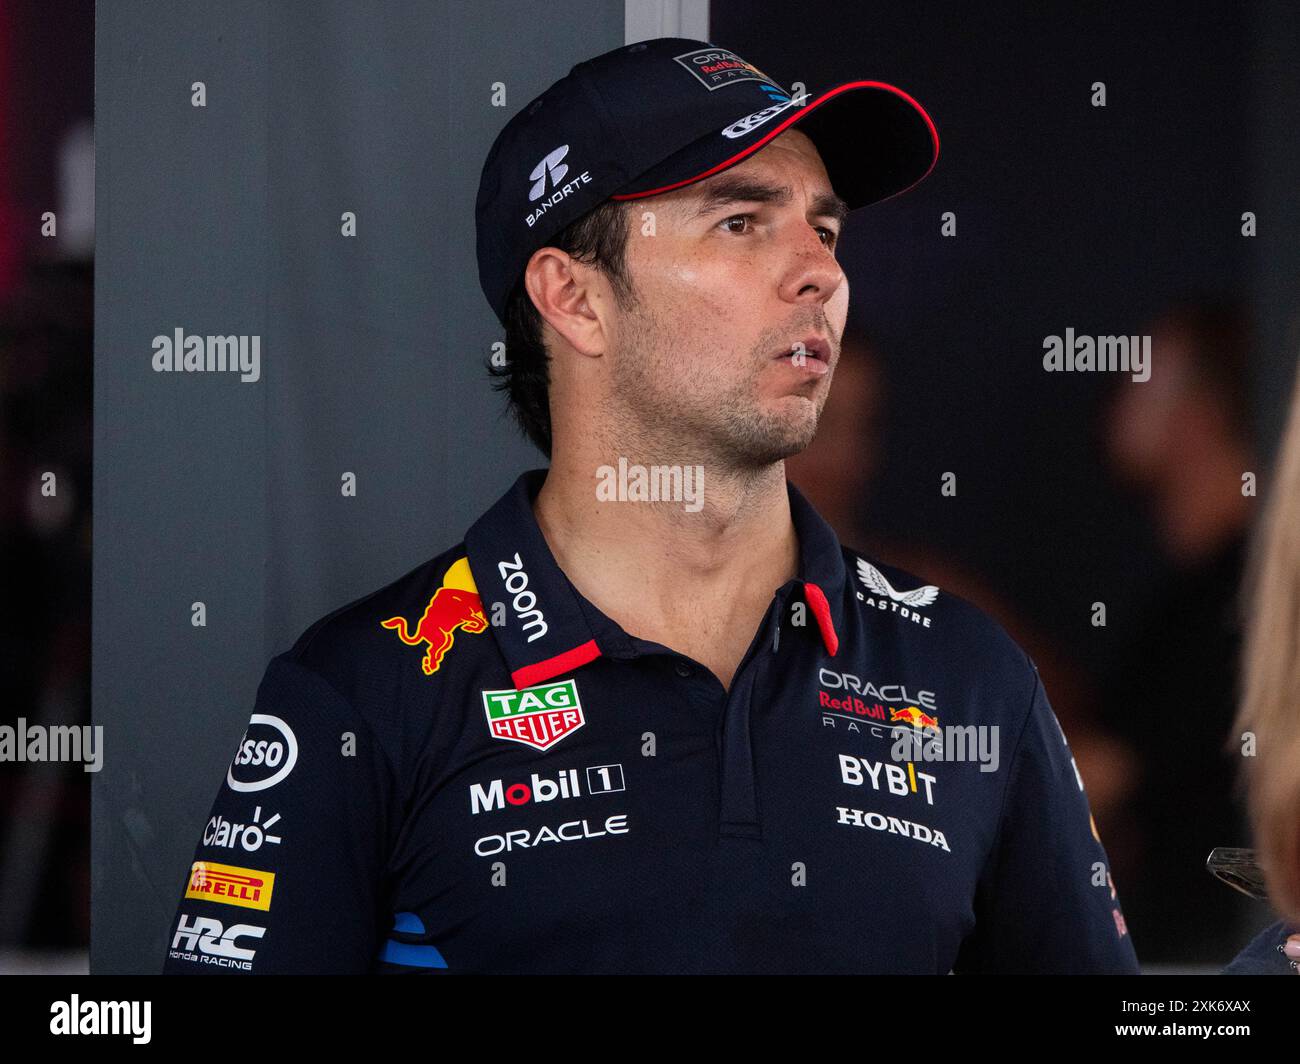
915	717
454	606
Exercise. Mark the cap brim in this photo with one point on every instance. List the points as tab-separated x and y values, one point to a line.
874	139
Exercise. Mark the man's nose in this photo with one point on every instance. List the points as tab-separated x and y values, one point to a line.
814	273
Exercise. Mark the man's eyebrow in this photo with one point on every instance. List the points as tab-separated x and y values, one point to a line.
830	205
746	190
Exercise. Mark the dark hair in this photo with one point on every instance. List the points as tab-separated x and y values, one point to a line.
598	238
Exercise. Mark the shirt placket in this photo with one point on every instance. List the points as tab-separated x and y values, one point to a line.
738	815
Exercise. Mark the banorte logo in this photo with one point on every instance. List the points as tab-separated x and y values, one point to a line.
455	605
551	166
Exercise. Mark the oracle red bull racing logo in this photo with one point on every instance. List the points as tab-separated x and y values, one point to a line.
716	67
455	606
866	704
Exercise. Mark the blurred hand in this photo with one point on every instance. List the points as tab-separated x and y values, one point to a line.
1292	950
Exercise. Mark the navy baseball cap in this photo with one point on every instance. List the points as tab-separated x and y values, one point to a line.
654	116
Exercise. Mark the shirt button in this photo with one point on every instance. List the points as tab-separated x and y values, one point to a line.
682	670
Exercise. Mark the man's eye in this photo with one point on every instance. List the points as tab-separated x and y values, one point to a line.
830	239
726	222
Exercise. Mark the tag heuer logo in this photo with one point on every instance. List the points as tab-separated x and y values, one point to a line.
536	716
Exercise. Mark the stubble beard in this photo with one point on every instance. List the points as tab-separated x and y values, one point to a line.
674	409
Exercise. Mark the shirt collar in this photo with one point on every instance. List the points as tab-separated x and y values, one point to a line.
549	629
821	567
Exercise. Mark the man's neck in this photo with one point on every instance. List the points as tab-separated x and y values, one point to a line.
666	573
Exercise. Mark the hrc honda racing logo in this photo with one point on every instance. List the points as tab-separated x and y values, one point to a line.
203	940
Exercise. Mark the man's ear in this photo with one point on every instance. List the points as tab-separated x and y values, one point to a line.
568	295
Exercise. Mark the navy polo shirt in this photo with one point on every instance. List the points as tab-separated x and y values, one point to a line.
474	770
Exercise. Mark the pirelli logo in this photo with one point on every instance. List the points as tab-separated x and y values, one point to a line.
230	885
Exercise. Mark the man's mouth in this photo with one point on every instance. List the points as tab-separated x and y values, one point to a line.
817	347
812	355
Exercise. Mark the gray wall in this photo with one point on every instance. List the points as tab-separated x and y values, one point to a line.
225	220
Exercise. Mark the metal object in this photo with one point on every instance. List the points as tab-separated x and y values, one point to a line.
1239	869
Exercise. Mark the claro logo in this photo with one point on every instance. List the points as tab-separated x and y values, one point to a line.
524	601
266	755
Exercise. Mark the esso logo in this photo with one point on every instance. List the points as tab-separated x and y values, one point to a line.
260	753
265	756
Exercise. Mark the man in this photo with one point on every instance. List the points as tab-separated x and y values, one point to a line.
650	716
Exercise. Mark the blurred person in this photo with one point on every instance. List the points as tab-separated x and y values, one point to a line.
1270	706
1182	441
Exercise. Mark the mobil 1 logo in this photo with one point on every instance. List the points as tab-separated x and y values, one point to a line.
567	783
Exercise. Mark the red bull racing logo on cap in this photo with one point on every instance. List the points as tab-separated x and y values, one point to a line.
716	67
454	606
537	716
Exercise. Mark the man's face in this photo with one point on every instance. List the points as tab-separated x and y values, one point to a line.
739	270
